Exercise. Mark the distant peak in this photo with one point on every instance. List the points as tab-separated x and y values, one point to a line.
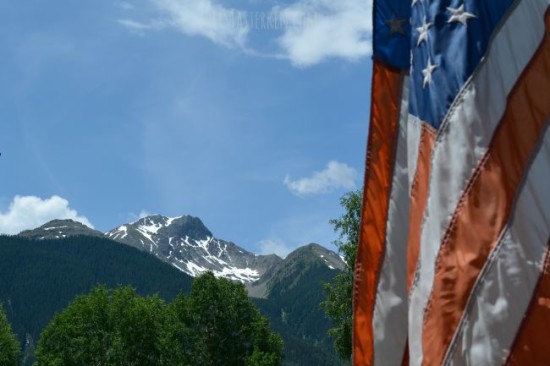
60	228
314	250
150	218
179	226
192	226
62	222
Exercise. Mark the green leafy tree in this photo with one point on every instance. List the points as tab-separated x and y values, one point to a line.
338	305
9	346
138	323
178	340
217	324
104	328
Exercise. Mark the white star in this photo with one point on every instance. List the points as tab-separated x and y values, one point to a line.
423	30
459	15
396	25
427	72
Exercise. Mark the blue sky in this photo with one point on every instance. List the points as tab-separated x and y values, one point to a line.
251	115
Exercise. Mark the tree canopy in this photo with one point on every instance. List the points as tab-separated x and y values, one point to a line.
9	346
216	324
338	305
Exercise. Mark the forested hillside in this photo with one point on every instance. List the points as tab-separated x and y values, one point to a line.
40	278
293	305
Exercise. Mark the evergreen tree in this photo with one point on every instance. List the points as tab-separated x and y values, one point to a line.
338	305
9	347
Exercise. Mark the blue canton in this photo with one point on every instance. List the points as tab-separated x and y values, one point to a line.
447	42
392	32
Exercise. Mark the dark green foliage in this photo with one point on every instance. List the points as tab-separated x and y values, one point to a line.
338	305
302	348
39	278
104	328
177	343
293	309
218	325
9	346
215	325
138	328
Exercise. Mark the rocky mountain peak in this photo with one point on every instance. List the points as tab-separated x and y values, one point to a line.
313	250
187	244
300	260
189	226
57	229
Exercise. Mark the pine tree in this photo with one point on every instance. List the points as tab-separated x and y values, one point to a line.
9	346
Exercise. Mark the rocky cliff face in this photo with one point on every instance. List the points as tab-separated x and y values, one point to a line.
188	245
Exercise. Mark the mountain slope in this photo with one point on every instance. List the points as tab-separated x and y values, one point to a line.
39	278
293	296
188	245
57	229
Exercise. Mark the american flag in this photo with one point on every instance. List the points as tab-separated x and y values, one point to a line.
453	265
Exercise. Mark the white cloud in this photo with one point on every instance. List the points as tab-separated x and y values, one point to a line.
133	217
313	30
144	213
204	18
141	27
274	246
336	175
320	29
29	212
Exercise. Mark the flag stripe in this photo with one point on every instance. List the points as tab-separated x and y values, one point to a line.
381	146
419	196
414	133
486	205
531	346
503	290
463	140
390	308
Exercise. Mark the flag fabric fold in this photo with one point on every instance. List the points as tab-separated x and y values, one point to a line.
452	265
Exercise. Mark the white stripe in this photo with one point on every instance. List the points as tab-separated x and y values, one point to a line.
463	140
504	290
390	309
414	133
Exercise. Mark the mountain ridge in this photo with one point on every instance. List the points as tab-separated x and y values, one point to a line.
59	229
187	244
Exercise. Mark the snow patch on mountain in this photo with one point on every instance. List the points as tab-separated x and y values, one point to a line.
188	245
185	243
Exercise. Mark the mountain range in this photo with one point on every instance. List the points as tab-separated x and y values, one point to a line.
187	244
43	269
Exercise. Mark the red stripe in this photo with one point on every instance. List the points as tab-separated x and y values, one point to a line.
382	140
419	195
531	344
486	205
